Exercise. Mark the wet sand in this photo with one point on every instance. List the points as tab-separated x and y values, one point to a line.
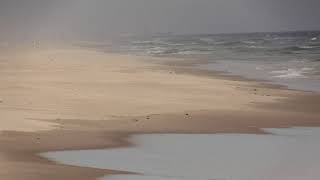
54	99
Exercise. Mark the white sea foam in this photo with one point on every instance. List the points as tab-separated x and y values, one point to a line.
257	47
305	47
291	73
245	54
250	42
157	50
207	40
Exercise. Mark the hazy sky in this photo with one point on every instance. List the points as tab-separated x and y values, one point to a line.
102	18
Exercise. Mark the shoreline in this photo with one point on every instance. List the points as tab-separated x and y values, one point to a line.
165	155
185	65
20	149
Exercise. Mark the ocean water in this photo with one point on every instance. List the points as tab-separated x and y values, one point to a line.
287	58
287	154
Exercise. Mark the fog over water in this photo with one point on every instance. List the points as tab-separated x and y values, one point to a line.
102	19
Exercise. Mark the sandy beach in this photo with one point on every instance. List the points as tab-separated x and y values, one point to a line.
74	98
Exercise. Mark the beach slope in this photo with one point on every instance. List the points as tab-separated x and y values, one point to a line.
74	98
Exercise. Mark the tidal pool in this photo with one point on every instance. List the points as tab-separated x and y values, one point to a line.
286	154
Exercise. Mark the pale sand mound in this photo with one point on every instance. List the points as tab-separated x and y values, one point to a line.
82	84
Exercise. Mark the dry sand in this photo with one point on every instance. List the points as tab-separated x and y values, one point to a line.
72	98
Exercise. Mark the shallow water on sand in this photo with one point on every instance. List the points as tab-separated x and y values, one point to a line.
288	154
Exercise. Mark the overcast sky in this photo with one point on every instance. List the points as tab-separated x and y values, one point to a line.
103	18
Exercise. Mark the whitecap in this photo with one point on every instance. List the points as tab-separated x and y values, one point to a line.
289	73
314	39
207	40
305	47
256	47
156	50
250	42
